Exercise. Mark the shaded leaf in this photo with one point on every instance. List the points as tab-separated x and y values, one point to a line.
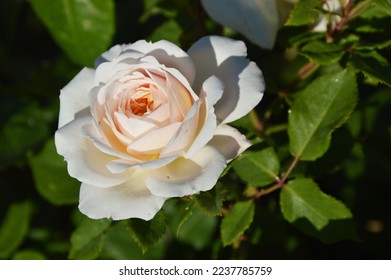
320	108
83	29
51	177
170	31
211	202
22	132
147	233
302	198
323	53
28	255
87	239
258	168
372	65
237	220
14	227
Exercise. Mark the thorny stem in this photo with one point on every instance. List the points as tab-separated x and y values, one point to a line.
280	182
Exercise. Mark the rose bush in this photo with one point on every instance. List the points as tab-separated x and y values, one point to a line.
150	123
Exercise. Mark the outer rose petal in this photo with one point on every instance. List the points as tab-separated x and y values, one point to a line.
128	200
109	55
85	161
258	20
74	96
168	54
243	81
229	141
187	176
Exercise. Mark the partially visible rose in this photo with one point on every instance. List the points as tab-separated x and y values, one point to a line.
258	20
332	19
150	123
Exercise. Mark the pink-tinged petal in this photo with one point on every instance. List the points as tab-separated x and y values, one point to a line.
187	176
85	161
128	200
74	96
229	141
255	19
168	54
153	142
243	80
211	92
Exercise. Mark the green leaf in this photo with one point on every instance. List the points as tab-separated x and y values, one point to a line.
83	29
87	239
385	5
258	168
238	219
323	53
211	202
170	31
147	233
120	245
197	229
320	108
302	198
372	65
28	255
14	227
22	132
305	12
51	177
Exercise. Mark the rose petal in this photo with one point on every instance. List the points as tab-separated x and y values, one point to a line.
121	165
153	142
109	55
243	81
257	20
229	141
187	176
86	163
74	96
128	200
168	54
211	92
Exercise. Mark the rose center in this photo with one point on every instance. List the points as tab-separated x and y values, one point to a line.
141	105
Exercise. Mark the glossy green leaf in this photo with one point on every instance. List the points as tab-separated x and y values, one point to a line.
237	220
320	108
323	53
51	177
302	198
147	233
372	65
87	239
14	227
83	29
258	168
211	202
304	12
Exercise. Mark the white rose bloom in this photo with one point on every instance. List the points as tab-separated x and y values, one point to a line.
150	123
